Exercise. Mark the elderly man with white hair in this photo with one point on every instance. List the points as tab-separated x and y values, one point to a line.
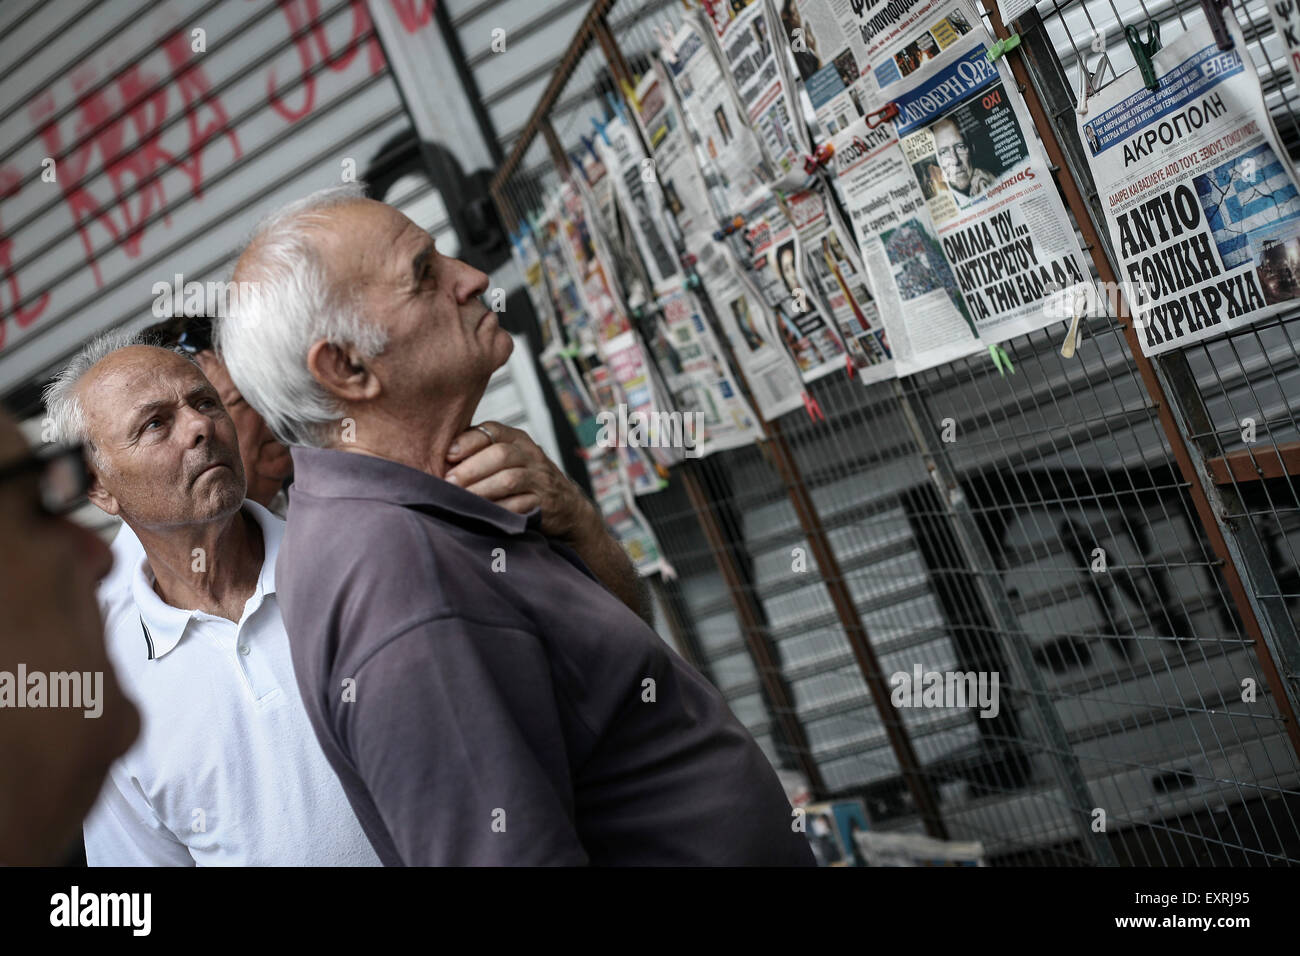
226	770
483	698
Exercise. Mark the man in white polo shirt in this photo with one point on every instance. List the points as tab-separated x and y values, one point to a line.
267	464
227	770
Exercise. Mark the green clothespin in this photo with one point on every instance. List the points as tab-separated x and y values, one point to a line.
571	351
1144	50
1000	359
995	52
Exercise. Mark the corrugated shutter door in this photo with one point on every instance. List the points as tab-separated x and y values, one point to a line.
165	156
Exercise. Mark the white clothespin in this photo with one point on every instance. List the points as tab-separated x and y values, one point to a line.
664	38
1089	81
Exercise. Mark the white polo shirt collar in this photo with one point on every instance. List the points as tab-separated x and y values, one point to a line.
162	626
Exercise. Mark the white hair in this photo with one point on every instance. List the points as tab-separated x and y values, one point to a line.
65	415
294	304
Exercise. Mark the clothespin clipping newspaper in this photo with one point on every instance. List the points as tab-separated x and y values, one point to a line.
1213	10
1144	50
1001	360
1006	44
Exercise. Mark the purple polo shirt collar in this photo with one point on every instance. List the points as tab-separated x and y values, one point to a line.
329	473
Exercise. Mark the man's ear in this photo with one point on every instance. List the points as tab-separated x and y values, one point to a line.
342	371
100	496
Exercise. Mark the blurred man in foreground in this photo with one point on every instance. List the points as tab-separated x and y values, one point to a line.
500	706
54	759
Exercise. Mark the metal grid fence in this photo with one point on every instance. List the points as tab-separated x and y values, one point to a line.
1121	691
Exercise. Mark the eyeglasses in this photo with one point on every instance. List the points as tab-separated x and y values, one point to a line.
196	338
62	475
951	152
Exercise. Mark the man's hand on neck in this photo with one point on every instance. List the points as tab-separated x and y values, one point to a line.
210	567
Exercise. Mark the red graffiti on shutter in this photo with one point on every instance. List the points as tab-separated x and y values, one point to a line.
196	93
413	14
129	141
24	315
304	19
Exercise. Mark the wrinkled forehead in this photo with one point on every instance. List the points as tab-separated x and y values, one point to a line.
130	376
366	238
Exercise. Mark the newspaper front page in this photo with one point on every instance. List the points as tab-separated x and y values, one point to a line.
749	36
1200	199
732	160
777	267
633	180
830	257
675	168
967	137
698	376
921	304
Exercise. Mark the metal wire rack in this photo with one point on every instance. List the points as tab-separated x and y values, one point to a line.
1121	691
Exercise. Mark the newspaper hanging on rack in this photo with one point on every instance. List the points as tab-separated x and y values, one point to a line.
563	278
777	268
634	183
528	259
611	236
610	488
967	136
574	400
709	411
847	51
1011	10
753	52
623	380
921	305
1286	21
829	59
675	168
1200	199
732	160
609	397
750	329
830	258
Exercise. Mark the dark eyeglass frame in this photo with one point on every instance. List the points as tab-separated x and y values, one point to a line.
196	338
64	478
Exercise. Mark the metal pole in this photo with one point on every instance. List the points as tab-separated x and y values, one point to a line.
753	629
1052	738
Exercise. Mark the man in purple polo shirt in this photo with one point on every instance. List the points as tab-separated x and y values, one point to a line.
483	697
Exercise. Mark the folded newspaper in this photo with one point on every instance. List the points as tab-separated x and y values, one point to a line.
911	849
